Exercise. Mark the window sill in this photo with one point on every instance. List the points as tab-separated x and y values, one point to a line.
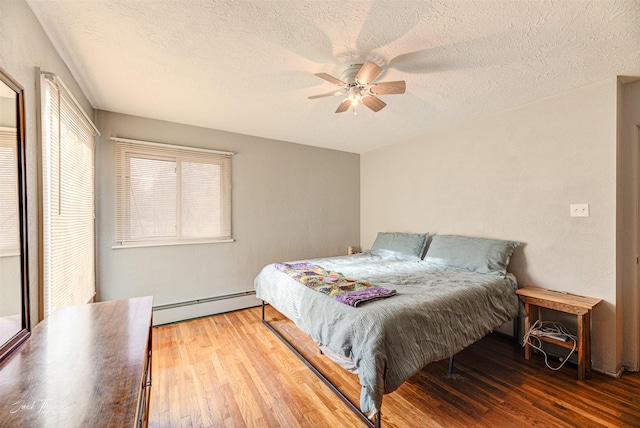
168	243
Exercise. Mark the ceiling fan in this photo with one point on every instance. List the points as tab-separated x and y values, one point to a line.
356	82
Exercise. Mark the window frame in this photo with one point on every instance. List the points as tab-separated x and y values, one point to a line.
126	149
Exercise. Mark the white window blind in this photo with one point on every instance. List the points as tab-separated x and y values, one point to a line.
9	217
68	198
171	194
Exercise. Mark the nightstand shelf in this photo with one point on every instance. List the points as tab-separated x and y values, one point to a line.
580	306
564	343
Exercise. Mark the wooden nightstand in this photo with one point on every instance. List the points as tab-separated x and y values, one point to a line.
564	302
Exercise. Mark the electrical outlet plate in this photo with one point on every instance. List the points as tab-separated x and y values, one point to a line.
579	210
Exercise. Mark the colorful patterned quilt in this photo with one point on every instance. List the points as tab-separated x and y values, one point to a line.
334	284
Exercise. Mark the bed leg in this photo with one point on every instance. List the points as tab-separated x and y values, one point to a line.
451	364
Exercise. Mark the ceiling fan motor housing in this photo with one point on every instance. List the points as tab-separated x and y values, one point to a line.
349	75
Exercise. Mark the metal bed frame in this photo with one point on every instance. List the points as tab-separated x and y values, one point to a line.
377	423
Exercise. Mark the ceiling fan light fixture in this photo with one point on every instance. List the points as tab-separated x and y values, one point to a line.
354	94
354	107
355	98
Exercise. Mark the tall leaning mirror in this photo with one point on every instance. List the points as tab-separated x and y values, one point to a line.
14	284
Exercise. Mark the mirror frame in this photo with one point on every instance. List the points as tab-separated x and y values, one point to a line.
7	347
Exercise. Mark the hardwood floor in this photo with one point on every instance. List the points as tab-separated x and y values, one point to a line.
230	371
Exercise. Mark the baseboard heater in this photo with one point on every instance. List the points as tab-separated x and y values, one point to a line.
205	300
196	308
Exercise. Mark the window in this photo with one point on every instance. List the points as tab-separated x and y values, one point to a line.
9	218
68	250
171	194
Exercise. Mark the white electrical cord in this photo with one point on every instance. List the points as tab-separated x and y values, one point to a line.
550	329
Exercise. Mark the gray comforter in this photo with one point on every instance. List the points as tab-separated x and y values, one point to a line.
437	312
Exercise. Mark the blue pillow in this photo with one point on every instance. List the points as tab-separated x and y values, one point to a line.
482	255
406	246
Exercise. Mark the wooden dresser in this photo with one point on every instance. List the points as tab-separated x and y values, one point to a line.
83	366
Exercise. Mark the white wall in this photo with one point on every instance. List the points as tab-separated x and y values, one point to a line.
512	176
24	46
289	201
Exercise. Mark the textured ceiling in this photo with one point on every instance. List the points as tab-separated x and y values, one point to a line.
247	66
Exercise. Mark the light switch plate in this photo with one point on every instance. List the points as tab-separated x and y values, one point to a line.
579	210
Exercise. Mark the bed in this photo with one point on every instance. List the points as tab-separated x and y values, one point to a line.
444	302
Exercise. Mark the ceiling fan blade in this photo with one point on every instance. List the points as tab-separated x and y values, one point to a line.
374	103
328	94
388	88
368	72
331	79
344	106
